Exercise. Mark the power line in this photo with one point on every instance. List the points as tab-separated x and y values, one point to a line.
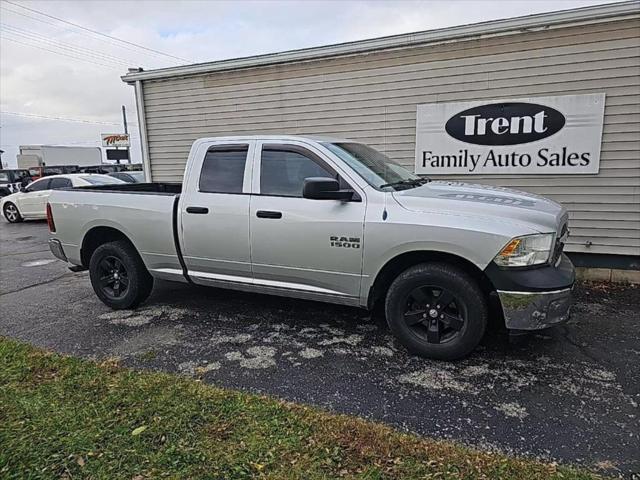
96	143
92	37
97	32
64	119
36	37
62	47
113	66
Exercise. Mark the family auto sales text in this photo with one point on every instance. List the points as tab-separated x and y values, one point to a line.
545	157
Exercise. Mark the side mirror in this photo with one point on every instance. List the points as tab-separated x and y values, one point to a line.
321	188
23	189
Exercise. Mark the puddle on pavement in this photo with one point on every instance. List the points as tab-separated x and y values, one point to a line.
39	263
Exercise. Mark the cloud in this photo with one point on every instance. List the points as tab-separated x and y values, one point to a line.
88	87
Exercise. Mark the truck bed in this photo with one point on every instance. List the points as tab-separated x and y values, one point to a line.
144	212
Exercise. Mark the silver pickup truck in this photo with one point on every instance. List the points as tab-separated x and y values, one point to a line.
328	220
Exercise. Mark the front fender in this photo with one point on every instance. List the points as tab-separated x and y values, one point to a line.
474	241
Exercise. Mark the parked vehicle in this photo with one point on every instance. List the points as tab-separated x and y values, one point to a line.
327	220
129	177
12	180
30	202
103	169
107	168
131	167
45	171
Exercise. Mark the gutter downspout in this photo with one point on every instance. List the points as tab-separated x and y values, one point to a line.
142	126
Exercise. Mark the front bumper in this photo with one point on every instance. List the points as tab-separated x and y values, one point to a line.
535	310
534	298
56	248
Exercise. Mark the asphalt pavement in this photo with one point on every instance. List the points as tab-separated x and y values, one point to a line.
568	394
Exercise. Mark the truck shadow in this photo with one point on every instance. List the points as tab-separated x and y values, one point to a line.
212	304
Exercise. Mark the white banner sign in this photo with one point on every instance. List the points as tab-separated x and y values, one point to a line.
541	135
115	140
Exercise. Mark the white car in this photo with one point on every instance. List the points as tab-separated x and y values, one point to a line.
31	201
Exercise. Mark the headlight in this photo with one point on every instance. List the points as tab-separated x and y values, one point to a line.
526	251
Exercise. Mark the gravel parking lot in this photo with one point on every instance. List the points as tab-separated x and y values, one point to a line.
569	394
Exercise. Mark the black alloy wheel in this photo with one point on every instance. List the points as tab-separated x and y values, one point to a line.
434	314
114	278
119	276
437	310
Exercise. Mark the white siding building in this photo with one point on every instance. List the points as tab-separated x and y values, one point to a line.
369	91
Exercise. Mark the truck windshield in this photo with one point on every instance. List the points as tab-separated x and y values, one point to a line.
376	168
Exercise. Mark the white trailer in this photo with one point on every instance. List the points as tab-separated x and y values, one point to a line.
55	155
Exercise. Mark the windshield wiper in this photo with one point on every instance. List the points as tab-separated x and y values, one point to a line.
408	182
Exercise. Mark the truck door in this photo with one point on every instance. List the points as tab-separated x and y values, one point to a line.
310	245
214	213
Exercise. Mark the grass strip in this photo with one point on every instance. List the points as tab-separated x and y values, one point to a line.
63	417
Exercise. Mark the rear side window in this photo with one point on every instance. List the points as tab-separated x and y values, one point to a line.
60	183
223	169
39	185
283	171
100	179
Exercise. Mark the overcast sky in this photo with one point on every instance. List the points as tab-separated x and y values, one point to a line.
49	68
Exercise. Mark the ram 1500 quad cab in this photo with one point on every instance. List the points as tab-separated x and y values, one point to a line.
327	220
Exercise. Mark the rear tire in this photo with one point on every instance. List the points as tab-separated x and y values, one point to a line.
118	275
437	311
11	213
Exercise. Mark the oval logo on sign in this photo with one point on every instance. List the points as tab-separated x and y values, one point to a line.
505	123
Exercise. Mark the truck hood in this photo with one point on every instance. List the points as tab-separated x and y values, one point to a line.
502	204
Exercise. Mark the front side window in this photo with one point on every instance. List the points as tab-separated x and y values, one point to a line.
4	177
57	183
223	169
283	171
39	185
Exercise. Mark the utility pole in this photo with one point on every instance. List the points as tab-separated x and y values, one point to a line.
126	131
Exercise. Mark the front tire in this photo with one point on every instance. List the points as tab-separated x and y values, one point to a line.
11	213
437	311
118	275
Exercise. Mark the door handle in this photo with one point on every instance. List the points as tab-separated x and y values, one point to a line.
200	210
268	214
